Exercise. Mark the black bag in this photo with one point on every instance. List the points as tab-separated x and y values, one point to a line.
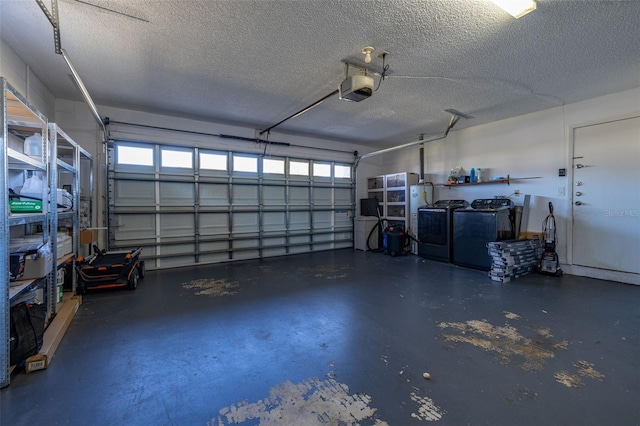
27	331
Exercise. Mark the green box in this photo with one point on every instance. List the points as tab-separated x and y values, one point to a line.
25	206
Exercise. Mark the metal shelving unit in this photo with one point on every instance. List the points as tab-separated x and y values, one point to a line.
67	162
19	120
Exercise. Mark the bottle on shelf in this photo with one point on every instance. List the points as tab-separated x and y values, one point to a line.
478	174
472	175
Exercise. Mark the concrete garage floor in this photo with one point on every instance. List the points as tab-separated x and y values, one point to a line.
342	338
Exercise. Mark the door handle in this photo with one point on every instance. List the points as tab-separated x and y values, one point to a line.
578	183
579	166
578	203
578	193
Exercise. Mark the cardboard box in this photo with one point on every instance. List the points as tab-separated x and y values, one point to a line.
65	244
53	335
528	235
89	236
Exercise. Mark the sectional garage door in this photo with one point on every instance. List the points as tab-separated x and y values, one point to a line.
189	206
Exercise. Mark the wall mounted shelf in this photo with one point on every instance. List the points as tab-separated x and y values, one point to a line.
484	182
508	180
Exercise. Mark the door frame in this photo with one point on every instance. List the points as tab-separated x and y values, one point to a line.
570	268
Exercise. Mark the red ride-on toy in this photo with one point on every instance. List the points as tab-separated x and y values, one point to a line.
105	269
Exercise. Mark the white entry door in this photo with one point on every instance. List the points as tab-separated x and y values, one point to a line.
606	196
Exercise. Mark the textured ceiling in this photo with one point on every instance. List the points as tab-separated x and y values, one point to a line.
256	62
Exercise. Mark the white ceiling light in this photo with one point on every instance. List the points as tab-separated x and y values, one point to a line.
367	51
516	8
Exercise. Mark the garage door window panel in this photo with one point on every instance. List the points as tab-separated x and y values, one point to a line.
128	155
172	159
342	172
273	167
213	161
298	168
321	170
245	164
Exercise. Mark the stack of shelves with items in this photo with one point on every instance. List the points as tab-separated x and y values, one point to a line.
392	192
68	162
375	189
20	121
35	150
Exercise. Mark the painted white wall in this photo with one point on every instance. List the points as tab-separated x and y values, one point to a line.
532	146
20	76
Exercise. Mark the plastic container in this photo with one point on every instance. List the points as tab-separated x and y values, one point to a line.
32	188
33	146
59	285
478	174
472	175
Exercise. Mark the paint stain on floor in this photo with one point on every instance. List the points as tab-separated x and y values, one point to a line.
587	369
511	315
427	410
504	341
568	379
507	343
310	402
329	272
574	380
211	287
315	402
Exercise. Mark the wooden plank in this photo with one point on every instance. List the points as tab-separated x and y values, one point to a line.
53	335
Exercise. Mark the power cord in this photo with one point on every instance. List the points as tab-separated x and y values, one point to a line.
385	68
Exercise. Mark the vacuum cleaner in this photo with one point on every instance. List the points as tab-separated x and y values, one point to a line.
549	263
393	239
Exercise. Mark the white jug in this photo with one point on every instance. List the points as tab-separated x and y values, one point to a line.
33	145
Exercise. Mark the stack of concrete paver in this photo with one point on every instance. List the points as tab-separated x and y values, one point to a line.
514	258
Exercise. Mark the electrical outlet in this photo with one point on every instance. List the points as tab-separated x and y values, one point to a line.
516	192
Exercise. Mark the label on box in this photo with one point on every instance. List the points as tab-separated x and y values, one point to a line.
36	365
25	206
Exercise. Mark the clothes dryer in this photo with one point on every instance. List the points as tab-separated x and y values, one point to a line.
485	221
435	229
